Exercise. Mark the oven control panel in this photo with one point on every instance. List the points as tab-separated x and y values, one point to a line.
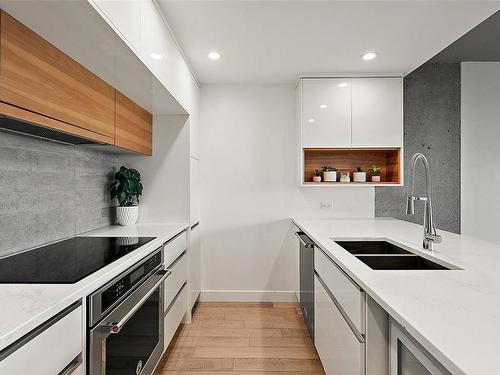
129	281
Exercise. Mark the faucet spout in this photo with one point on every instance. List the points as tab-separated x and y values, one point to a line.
430	234
414	160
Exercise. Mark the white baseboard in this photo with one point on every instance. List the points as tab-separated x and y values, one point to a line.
247	296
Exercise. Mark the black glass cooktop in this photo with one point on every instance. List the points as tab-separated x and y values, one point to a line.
68	261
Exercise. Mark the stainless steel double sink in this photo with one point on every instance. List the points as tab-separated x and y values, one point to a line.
383	255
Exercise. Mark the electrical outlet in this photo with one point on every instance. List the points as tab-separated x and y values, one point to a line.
326	205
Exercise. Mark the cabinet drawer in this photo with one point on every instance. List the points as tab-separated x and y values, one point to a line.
174	316
175	247
176	280
61	342
340	351
348	294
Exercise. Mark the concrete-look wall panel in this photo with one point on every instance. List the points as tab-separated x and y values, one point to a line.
432	127
50	191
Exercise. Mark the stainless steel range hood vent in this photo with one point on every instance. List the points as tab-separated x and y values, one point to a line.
34	130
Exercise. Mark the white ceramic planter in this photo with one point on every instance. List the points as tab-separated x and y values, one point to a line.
330	176
127	215
359	176
316	178
375	178
344	177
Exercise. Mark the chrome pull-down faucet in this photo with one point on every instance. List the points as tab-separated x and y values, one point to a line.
430	234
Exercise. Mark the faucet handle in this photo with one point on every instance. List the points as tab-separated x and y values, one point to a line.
410	205
434	237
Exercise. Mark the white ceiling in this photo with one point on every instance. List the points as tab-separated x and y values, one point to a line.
276	41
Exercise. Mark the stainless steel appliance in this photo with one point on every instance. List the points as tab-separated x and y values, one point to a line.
307	280
126	320
407	357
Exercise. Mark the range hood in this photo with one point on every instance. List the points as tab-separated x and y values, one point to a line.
15	125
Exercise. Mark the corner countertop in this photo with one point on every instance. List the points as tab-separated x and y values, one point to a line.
454	314
26	306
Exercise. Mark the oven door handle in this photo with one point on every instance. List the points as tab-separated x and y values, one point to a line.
115	327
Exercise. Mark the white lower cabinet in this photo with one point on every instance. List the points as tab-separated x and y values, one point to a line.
340	351
351	331
174	316
53	348
195	264
348	294
176	280
175	247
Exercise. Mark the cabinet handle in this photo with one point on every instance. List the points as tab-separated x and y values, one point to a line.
304	239
115	327
72	366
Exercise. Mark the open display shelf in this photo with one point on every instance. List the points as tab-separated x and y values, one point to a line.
348	159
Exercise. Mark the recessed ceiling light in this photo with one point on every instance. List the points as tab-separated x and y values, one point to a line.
369	56
343	84
156	56
214	55
311	120
323	106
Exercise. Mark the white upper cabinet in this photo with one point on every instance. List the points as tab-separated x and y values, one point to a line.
125	16
377	112
326	113
141	25
351	112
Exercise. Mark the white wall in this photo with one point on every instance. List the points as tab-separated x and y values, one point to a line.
480	152
249	192
165	175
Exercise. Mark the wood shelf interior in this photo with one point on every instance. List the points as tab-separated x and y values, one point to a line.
347	160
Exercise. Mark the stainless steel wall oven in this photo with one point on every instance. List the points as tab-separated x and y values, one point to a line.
125	330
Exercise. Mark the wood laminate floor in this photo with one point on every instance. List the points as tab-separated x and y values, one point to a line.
242	339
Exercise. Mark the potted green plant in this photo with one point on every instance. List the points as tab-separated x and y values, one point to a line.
359	175
329	174
127	188
375	171
317	176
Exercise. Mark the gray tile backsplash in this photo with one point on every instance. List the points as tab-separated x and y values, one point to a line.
50	191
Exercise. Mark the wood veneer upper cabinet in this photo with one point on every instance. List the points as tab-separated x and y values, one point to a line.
36	76
134	126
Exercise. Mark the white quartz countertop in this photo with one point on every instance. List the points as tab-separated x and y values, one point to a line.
454	314
23	307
